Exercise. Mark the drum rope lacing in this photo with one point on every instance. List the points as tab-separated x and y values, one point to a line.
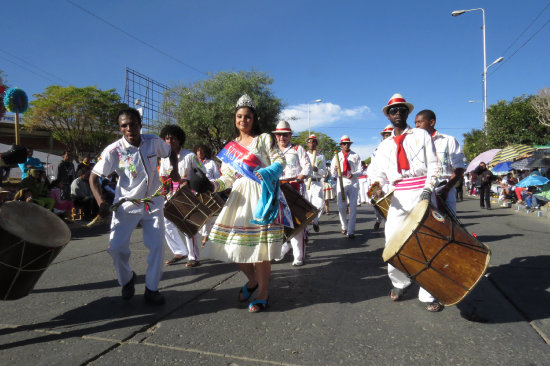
21	267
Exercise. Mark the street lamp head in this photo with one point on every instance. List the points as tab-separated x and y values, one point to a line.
498	60
457	12
318	100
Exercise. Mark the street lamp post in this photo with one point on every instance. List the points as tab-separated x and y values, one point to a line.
485	67
308	125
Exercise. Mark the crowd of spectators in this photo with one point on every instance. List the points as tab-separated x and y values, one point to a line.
67	194
483	183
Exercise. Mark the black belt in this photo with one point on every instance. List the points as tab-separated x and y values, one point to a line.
316	179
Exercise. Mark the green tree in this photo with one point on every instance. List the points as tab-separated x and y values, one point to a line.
326	145
514	122
475	142
83	119
205	110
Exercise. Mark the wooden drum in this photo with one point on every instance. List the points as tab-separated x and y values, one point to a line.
438	253
30	239
303	212
187	211
383	205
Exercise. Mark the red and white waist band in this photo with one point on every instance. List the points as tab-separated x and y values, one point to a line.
410	183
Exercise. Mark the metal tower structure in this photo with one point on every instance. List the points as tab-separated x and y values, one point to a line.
146	95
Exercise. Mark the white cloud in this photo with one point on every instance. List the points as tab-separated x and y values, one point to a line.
322	114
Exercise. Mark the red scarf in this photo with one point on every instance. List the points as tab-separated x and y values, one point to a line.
402	161
345	164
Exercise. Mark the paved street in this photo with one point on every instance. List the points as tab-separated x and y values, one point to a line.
333	310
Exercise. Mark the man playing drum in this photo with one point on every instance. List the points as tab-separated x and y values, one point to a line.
314	186
297	168
450	156
409	162
187	163
385	133
135	159
348	183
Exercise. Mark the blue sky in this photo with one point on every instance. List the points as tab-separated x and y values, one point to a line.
351	54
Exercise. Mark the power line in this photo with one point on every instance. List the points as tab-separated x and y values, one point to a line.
520	47
136	38
28	69
525	30
36	67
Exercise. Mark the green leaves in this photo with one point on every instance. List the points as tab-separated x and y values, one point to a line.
83	119
206	109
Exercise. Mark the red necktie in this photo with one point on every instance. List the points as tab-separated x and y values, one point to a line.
402	161
345	165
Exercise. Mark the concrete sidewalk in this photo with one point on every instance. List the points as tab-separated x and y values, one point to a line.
333	310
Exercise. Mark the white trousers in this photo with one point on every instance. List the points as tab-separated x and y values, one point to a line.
122	226
451	199
362	198
181	246
351	189
298	244
316	197
402	203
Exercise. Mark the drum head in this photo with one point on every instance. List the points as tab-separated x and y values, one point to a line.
411	222
34	224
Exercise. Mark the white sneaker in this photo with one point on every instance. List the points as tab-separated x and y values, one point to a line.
298	263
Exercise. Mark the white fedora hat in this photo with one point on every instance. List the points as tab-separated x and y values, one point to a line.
346	138
387	129
395	100
282	127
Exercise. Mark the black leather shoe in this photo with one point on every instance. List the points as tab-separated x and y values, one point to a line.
128	290
316	228
153	297
376	225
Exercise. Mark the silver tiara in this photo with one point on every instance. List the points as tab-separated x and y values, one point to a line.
246	101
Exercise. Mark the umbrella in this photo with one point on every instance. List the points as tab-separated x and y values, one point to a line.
522	163
511	153
539	163
504	167
483	157
534	179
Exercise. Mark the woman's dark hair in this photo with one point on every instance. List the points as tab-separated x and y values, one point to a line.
54	183
133	113
206	149
255	124
173	130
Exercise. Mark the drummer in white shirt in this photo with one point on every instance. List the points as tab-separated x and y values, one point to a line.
212	171
315	192
187	163
298	168
450	156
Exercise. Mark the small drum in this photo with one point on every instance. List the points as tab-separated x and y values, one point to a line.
187	211
303	212
328	191
30	239
438	253
383	205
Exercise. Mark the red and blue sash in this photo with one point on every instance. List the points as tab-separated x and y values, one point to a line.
241	160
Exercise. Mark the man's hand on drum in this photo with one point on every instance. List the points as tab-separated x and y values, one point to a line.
175	176
300	178
443	193
258	175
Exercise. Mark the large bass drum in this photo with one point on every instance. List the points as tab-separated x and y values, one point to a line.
30	239
438	253
187	211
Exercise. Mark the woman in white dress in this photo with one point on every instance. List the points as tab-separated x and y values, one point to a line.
233	237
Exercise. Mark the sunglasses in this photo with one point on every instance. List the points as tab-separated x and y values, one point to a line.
394	110
345	143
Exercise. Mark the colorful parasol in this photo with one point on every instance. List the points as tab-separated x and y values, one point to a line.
483	157
511	153
533	179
